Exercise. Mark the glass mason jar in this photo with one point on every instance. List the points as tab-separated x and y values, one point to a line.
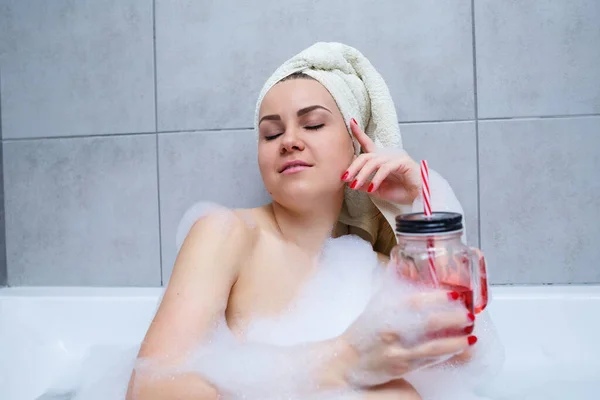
430	251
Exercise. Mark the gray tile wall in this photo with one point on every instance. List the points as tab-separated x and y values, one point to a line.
3	269
118	117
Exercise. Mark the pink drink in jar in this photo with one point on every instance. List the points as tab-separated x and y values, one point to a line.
431	252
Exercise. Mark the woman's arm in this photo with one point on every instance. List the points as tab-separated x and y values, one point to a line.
195	299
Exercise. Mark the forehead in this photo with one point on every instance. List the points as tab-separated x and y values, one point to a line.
296	94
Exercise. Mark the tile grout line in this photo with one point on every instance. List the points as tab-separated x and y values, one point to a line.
160	255
154	65
434	121
4	264
160	258
107	135
542	117
1	134
207	130
476	110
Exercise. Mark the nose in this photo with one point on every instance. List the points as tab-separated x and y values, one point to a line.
291	142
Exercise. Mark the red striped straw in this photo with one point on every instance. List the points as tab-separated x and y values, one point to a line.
425	188
427	210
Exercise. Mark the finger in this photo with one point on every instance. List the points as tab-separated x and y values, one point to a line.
460	358
380	176
442	347
400	195
434	298
400	166
356	166
454	321
369	169
407	269
365	142
362	188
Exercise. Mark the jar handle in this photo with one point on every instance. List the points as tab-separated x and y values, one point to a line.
479	282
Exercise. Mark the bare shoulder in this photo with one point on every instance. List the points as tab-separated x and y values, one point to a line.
248	215
235	231
228	230
260	218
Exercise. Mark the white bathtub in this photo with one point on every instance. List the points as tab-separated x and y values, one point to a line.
551	335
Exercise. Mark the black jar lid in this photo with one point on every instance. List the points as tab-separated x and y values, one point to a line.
419	223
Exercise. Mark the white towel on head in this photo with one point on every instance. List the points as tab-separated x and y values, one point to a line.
358	89
360	93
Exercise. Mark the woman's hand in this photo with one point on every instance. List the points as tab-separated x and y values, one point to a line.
394	177
424	329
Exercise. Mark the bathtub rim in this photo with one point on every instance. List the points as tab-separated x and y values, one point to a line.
497	292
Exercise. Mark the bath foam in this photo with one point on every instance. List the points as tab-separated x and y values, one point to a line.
350	283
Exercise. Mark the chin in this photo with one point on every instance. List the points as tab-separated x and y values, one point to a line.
297	194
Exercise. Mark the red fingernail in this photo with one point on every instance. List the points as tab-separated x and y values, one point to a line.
471	317
472	340
353	121
453	295
370	189
353	185
469	329
345	176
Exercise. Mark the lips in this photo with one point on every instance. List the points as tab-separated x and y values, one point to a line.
292	164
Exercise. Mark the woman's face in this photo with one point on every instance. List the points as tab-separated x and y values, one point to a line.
304	146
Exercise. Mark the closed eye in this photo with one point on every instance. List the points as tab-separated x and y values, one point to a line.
310	128
272	136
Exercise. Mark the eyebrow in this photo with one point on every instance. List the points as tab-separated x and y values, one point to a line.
301	112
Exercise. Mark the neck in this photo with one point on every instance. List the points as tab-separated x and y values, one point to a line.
309	227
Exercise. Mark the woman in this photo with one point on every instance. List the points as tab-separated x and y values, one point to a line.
311	166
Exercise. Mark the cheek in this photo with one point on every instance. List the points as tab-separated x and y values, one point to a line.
346	152
339	155
265	161
266	153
